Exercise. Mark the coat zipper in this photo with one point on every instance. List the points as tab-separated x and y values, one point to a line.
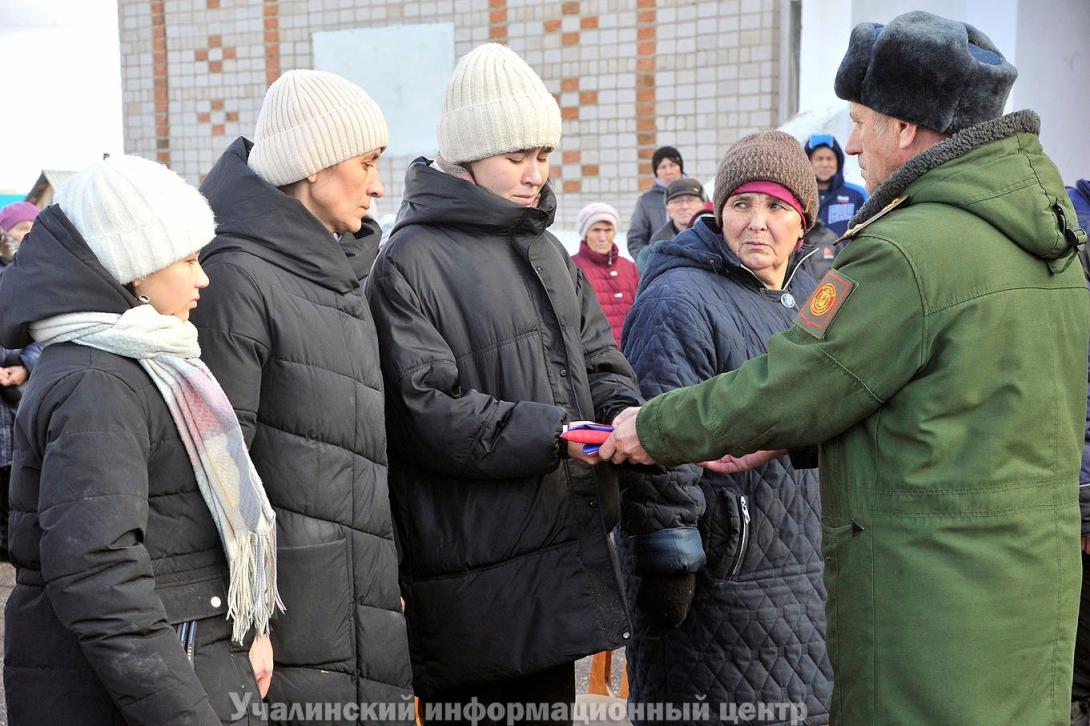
787	282
743	544
187	635
795	269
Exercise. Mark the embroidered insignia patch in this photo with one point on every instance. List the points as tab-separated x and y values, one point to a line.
825	302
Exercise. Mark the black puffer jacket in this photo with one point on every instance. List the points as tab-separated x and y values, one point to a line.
756	631
113	544
286	330
491	338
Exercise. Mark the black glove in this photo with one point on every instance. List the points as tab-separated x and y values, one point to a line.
666	598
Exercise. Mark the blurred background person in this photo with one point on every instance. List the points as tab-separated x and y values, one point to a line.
613	278
650	212
684	198
16	221
838	201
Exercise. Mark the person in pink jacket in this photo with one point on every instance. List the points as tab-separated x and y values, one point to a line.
613	277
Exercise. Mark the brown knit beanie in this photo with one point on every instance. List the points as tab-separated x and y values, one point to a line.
767	156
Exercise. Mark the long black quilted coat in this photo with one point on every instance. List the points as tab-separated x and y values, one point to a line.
756	631
491	338
113	544
285	328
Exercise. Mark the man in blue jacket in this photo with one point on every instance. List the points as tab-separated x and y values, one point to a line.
838	201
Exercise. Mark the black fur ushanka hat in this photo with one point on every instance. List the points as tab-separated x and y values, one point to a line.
942	74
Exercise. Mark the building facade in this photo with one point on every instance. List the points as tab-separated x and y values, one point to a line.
629	75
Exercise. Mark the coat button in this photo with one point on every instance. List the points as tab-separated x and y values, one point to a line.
563	372
215	601
618	294
612	273
626	635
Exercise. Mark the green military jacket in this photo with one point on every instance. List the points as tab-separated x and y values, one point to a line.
949	347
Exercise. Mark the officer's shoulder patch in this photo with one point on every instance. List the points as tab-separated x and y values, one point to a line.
825	302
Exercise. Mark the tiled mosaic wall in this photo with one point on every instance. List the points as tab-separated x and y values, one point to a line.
630	75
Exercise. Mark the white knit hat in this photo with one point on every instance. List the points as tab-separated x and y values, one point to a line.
137	216
312	120
596	212
494	104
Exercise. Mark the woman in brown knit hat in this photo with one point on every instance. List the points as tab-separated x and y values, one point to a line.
725	564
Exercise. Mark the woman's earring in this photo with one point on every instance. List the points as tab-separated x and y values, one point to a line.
143	298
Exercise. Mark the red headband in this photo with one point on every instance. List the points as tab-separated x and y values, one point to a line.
773	189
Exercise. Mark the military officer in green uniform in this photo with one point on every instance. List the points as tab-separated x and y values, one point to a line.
939	369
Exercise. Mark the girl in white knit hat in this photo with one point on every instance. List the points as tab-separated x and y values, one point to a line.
286	329
143	541
492	341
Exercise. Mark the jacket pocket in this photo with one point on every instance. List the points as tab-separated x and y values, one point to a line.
315	583
726	526
225	671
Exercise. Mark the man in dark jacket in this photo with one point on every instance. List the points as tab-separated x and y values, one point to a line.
491	342
286	330
838	200
684	198
650	212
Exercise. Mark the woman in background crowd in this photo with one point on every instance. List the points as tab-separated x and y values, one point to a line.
613	278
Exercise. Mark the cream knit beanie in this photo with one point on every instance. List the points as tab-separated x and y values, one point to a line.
596	212
495	104
312	120
137	216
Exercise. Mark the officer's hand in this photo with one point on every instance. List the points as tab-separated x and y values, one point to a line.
624	443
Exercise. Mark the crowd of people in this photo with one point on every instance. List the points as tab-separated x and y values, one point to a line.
258	461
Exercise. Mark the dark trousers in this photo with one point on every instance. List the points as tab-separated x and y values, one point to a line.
553	686
1080	691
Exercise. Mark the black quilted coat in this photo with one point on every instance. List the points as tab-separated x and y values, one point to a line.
285	328
117	558
491	338
756	631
